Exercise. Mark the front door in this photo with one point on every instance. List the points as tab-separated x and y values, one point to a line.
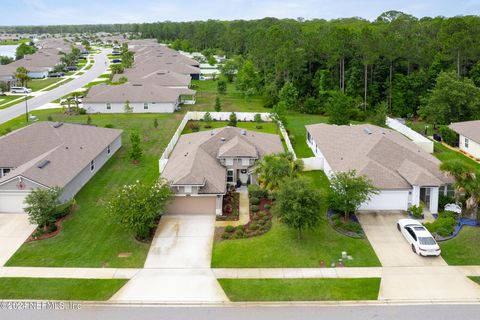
425	196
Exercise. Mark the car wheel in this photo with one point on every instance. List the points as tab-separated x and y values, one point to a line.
413	249
398	227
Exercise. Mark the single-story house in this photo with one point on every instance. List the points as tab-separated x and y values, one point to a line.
47	155
469	136
404	173
157	77
142	98
203	164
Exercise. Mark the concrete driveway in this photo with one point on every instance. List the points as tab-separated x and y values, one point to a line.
14	230
177	268
407	276
389	244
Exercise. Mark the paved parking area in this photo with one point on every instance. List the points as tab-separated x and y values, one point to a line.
14	230
389	244
177	268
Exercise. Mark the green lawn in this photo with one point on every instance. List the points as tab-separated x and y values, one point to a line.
89	237
233	100
267	127
279	247
14	42
12	101
296	123
301	289
463	249
94	83
39	84
444	154
59	288
475	279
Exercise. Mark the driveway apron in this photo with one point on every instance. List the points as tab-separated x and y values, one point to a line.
14	230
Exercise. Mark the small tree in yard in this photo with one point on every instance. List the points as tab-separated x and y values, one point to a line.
258	119
207	118
222	86
218	104
298	204
273	169
155	123
41	204
127	108
349	191
139	206
136	152
233	120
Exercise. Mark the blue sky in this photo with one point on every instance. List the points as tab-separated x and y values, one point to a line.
40	12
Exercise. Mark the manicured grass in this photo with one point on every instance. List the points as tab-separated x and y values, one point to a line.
59	288
6	101
94	83
445	154
90	238
463	249
20	121
475	279
14	101
14	42
301	289
233	100
296	123
39	84
280	247
267	127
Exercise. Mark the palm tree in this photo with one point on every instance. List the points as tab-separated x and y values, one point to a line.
458	171
274	168
471	185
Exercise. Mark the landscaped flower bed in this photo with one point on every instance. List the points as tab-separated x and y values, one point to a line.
55	227
260	221
351	228
231	207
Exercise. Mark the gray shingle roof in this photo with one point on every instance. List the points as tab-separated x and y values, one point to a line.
387	157
131	92
194	160
69	148
469	129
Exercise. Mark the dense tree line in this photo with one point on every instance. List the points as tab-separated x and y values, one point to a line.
394	60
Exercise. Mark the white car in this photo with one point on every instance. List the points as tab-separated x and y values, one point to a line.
418	237
20	90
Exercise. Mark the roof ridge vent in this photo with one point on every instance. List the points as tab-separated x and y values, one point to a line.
367	131
243	132
57	125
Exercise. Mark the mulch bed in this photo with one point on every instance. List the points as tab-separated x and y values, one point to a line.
231	207
58	224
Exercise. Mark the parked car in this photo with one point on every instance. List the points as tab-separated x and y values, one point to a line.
419	238
71	68
116	60
82	58
56	74
20	90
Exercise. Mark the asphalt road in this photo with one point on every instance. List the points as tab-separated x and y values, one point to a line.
97	69
380	312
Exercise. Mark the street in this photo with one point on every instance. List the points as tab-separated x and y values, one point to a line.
277	312
19	109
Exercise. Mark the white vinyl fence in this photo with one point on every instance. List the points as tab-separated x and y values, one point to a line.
417	138
219	116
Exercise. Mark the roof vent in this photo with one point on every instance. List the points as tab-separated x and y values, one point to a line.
43	164
57	124
244	132
367	130
212	133
222	139
137	84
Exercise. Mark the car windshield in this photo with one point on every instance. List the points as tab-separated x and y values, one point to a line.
426	241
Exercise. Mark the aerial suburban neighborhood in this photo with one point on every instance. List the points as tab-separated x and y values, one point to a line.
319	160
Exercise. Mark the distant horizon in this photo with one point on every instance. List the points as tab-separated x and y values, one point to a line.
26	13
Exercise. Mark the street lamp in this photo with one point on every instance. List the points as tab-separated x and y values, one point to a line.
26	106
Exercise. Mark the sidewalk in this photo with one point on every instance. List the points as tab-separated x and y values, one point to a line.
73	273
296	273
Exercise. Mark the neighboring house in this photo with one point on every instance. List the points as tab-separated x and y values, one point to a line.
469	136
47	155
203	164
404	173
156	77
142	98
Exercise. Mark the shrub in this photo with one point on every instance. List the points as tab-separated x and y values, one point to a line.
109	125
417	211
229	229
63	209
82	111
444	225
261	214
253	226
225	236
194	126
241	228
50	118
254	208
443	201
239	234
449	136
267	206
254	200
255	191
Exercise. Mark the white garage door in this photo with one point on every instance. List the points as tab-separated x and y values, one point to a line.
192	205
12	202
388	200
